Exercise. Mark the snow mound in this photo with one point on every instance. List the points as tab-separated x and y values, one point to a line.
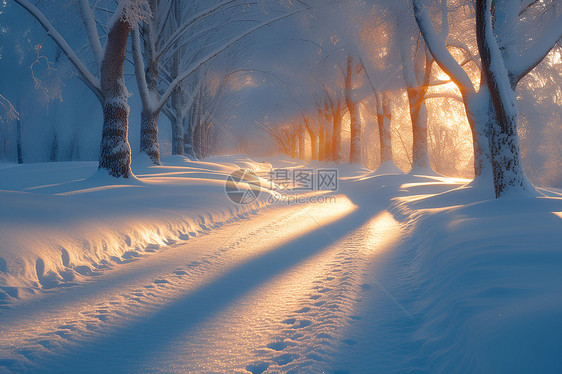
60	222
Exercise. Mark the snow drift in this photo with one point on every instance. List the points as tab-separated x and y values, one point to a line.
58	223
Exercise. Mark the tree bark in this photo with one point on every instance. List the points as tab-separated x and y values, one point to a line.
115	153
384	116
149	118
302	144
354	116
19	150
328	147
418	115
149	135
177	136
313	145
188	138
504	142
336	135
322	144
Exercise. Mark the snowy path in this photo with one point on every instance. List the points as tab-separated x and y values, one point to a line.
277	291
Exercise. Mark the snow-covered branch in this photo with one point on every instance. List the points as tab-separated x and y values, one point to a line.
181	29
438	48
91	30
213	54
443	95
139	69
8	111
88	78
466	50
531	57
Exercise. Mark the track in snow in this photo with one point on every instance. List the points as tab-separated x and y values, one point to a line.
277	292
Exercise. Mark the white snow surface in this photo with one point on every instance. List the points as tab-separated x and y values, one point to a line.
62	221
397	273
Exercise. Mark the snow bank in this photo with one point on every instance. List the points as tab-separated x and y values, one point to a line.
60	222
482	279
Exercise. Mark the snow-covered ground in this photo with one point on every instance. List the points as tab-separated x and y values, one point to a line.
62	221
394	273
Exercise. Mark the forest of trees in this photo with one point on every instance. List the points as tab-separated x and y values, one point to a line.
448	85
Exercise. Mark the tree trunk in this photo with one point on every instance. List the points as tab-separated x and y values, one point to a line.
507	168
115	151
177	136
336	137
328	147
294	146
149	119
355	127
149	135
313	145
302	145
418	115
188	138
54	154
481	115
322	144
354	116
18	138
384	116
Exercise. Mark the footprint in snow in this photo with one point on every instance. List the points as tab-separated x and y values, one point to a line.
278	345
258	367
284	359
302	324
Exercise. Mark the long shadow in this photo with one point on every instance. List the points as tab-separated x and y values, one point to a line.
128	348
